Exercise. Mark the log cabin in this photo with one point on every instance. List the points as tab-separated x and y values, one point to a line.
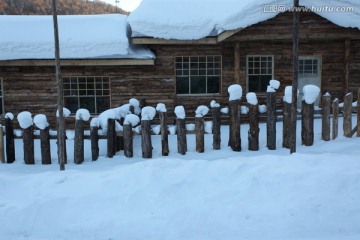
187	66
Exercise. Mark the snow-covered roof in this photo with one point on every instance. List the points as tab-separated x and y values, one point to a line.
196	19
81	37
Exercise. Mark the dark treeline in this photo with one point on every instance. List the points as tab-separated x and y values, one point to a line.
65	7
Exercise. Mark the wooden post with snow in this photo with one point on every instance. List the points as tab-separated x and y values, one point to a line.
66	113
307	124
94	138
81	116
200	112
347	124
9	136
2	154
41	122
26	123
326	106
235	92
130	121
181	129
358	114
287	117
335	121
147	114
271	114
253	133
111	138
216	119
311	93
161	108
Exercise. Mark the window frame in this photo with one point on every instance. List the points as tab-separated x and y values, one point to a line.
78	96
189	75
247	69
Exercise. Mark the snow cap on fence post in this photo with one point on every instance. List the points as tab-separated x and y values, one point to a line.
180	112
66	112
160	107
82	114
214	104
95	122
251	98
9	115
288	94
311	93
40	121
235	92
136	104
25	119
132	120
148	113
201	111
273	85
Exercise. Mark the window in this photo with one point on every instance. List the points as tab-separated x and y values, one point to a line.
308	67
1	97
198	75
91	93
259	72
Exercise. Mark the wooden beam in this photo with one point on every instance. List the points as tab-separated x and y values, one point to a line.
237	63
347	48
78	62
226	34
150	41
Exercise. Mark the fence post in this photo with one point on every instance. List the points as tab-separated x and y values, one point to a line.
163	129
271	120
358	114
347	124
45	146
28	140
234	128
181	129
128	140
94	138
286	124
325	133
307	124
235	93
200	112
335	121
9	136
79	141
253	133
111	136
26	123
216	127
147	114
2	155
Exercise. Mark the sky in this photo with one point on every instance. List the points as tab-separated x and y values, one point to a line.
128	5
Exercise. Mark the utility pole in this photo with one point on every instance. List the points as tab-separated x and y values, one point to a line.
295	76
60	117
116	5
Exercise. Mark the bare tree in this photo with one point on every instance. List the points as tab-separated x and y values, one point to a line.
60	118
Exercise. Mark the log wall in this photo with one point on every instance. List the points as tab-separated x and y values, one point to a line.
34	88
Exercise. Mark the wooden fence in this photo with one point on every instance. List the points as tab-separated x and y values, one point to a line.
117	141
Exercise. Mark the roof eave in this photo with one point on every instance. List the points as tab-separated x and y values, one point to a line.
78	62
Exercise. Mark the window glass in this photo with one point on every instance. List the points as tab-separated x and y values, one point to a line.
259	72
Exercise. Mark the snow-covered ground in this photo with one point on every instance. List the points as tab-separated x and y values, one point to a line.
310	195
